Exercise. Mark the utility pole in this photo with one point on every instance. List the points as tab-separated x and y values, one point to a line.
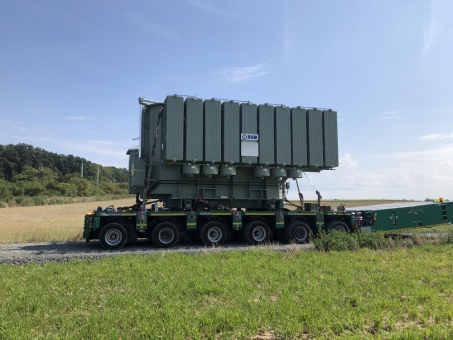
81	171
97	177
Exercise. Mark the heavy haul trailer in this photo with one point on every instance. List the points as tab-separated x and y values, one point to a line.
165	228
219	167
211	169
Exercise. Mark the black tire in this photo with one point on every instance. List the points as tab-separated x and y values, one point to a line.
113	236
213	233
257	232
297	232
338	226
165	235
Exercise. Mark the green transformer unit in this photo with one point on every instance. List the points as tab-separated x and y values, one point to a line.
228	153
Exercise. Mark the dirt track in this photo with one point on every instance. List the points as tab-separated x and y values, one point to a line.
21	253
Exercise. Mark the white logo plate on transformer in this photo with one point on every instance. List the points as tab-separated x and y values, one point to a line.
253	137
249	145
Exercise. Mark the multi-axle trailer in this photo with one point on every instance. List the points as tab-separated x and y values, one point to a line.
165	228
215	169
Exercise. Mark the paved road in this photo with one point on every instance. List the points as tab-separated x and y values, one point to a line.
21	253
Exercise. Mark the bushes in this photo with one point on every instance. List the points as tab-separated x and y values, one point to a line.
32	176
339	241
5	192
44	186
83	186
446	238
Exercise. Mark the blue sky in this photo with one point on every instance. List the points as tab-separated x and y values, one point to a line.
71	73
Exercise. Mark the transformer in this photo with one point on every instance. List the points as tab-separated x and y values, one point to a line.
227	153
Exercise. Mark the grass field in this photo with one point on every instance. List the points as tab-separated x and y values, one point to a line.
48	223
255	294
55	200
65	222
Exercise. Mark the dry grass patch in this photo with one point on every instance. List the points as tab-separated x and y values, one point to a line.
48	223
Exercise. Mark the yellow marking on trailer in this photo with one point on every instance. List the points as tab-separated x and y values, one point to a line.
159	214
191	224
303	214
220	214
280	223
319	222
141	225
260	214
237	222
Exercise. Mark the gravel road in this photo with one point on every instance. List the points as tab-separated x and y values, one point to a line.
21	253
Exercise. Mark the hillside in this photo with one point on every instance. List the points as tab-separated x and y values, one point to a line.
32	176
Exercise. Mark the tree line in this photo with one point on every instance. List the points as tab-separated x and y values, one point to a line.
26	171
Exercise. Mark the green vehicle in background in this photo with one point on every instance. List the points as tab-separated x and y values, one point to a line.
407	215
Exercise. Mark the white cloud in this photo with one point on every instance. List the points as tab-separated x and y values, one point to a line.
16	125
152	27
79	118
391	113
430	28
436	136
410	175
102	142
388	115
434	26
96	147
117	152
208	7
241	74
287	43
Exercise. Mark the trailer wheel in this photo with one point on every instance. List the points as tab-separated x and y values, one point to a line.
213	233
256	232
165	235
338	226
113	236
297	232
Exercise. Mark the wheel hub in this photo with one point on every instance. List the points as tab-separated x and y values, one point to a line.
214	234
166	235
113	237
300	234
259	233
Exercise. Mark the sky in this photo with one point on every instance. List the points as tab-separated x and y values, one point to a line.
71	73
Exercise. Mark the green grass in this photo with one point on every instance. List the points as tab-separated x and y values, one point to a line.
438	228
398	294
